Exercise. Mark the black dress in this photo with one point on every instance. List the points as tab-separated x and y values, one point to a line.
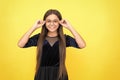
50	57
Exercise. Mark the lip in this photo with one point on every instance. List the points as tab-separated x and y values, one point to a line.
52	27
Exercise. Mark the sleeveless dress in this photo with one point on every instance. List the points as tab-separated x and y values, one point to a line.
50	57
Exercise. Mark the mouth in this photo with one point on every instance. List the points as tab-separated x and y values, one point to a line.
52	27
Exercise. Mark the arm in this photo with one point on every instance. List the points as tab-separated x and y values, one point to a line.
24	39
81	43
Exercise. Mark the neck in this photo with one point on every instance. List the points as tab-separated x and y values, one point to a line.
52	34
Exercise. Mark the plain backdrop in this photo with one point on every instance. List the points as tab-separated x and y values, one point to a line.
97	21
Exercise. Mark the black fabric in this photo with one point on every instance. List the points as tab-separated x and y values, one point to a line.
50	54
50	57
32	41
70	42
49	73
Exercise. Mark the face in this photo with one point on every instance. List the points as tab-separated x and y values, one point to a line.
52	23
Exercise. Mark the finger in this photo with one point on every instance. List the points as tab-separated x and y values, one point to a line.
64	21
38	22
60	22
43	22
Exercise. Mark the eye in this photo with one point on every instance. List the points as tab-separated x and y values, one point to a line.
55	21
48	21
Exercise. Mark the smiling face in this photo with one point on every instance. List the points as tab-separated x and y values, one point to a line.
52	23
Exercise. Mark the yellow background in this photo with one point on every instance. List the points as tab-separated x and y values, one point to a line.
98	22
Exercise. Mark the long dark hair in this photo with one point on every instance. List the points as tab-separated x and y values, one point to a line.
62	44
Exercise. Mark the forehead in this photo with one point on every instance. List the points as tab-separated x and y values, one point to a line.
52	17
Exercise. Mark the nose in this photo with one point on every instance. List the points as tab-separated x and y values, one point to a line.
51	23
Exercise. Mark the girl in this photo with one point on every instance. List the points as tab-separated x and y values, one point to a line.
51	45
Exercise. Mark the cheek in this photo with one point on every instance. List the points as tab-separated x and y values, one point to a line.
57	25
46	25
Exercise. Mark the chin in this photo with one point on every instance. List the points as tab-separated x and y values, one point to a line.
52	30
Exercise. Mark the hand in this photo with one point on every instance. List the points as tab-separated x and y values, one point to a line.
65	23
38	24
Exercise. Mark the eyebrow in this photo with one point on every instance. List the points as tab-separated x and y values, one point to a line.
54	19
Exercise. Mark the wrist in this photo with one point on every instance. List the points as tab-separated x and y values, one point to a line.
33	28
70	28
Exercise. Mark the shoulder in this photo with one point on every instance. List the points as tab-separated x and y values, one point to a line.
67	36
70	41
36	35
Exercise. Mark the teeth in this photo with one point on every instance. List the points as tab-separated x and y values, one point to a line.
51	27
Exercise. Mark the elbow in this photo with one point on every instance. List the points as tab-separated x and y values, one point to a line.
19	45
82	46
